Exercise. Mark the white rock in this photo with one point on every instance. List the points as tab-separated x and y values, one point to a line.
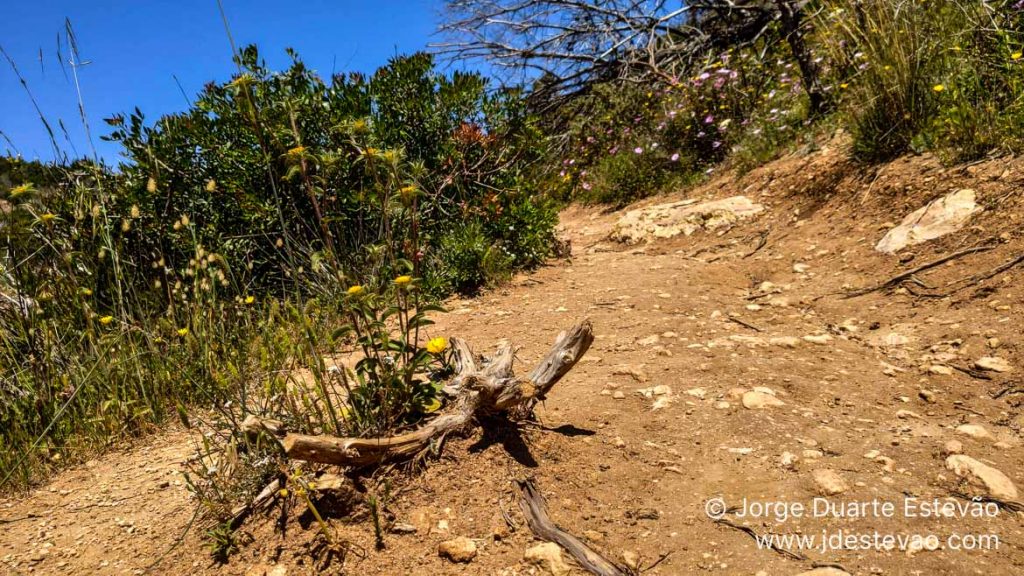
937	218
984	476
940	369
800	267
787	460
685	217
829	482
784	341
548	556
754	400
697	393
976	431
818	338
992	364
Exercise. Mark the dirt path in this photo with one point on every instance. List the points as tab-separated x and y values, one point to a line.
865	406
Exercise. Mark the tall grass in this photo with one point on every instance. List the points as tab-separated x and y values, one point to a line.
943	75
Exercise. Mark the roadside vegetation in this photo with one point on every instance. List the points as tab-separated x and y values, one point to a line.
284	217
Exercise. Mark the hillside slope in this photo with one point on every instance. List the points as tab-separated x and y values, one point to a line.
869	407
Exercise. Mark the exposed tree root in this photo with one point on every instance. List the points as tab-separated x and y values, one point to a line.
900	278
533	507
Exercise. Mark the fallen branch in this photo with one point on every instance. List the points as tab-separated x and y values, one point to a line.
959	285
761	540
900	278
489	389
744	324
533	507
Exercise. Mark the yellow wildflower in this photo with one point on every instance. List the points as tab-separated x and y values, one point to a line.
433	406
403	280
19	190
151	185
437	345
1015	56
106	320
211	185
182	332
48	217
297	151
370	151
938	88
85	292
250	299
356	290
283	492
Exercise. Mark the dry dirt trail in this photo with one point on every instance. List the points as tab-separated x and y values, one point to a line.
859	401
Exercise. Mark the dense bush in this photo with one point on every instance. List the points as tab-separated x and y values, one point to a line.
220	254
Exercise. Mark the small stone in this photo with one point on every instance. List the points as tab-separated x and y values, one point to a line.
800	267
403	528
818	338
812	454
827	571
278	570
631	559
618	394
940	369
984	476
992	364
548	556
784	341
593	535
787	460
927	396
905	414
829	482
756	400
699	393
459	549
976	431
722	405
953	447
872	454
993	343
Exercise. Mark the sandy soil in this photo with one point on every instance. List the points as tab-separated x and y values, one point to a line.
869	404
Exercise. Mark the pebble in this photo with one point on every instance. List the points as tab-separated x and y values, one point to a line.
818	338
757	400
953	447
548	556
829	482
800	267
459	549
784	341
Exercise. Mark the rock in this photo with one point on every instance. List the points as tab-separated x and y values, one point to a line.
937	218
685	217
872	454
649	341
992	364
631	559
755	400
976	431
997	484
953	447
907	414
827	571
548	556
818	338
829	482
940	369
593	535
784	341
800	267
618	394
698	393
459	549
787	460
993	343
403	528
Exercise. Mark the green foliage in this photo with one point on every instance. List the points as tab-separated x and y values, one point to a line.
215	259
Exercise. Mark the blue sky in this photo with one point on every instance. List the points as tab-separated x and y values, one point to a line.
135	49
